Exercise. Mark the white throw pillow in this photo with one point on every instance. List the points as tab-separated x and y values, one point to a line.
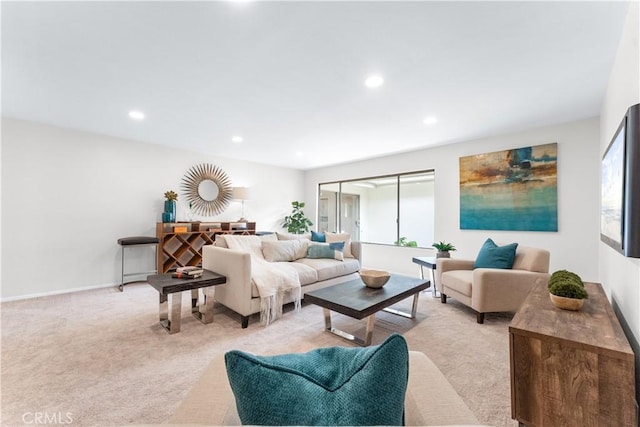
341	237
284	250
291	236
249	243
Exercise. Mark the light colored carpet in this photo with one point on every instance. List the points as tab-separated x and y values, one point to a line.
100	357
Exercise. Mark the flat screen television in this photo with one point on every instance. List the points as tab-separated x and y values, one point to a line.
620	188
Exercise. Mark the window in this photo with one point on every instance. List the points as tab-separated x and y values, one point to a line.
392	209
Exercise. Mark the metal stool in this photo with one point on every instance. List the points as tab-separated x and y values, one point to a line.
135	241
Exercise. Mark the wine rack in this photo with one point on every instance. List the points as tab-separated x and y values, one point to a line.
181	242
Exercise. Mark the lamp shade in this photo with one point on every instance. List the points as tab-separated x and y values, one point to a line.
240	193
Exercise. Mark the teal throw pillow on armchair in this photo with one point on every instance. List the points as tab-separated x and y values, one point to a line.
328	386
494	256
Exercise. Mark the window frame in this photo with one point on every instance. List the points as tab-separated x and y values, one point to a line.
398	177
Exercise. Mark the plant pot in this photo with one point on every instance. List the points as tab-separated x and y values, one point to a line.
564	303
443	254
169	214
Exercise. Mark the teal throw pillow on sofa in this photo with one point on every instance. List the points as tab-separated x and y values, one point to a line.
332	386
318	237
494	256
326	250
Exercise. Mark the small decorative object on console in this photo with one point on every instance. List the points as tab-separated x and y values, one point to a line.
374	278
169	214
566	290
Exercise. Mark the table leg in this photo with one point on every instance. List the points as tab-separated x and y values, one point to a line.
327	319
204	310
194	302
170	320
363	342
434	288
414	309
371	320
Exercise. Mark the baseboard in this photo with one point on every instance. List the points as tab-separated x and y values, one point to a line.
63	291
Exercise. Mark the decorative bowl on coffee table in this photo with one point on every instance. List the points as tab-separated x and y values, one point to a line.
374	278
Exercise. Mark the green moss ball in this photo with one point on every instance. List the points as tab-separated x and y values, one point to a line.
564	275
568	289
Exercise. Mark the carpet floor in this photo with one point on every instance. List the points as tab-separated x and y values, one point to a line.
100	357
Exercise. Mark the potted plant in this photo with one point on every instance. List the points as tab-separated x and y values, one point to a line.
297	222
169	214
404	242
444	249
566	290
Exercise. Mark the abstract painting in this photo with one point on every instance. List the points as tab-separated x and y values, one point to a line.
513	189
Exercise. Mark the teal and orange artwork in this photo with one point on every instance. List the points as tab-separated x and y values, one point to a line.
513	189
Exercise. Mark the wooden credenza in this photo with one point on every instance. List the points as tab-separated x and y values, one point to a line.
181	242
571	368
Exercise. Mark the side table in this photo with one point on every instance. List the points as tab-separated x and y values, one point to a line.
430	263
172	287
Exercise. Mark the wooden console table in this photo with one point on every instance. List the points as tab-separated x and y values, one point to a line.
181	242
571	368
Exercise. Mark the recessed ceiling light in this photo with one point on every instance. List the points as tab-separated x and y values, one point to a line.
430	121
136	115
374	80
299	154
237	139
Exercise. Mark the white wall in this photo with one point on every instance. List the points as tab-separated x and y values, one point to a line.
67	196
620	275
573	247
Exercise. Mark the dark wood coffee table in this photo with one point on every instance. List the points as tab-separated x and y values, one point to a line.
168	286
355	300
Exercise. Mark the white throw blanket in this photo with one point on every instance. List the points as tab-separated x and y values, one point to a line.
272	280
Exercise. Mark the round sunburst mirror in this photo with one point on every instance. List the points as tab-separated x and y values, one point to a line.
207	189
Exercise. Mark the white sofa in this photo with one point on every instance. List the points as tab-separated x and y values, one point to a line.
241	295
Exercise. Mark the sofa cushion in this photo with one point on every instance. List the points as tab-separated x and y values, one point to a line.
284	250
326	386
326	250
330	268
318	237
341	237
494	256
459	280
291	236
221	242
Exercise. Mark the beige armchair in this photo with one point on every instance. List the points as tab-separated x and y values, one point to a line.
489	290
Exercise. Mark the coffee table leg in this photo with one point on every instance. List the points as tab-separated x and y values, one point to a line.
204	310
371	320
414	308
170	320
327	319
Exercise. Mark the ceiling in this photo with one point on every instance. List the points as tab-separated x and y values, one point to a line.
288	77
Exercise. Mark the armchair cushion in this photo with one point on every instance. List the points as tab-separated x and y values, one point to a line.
494	256
460	281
